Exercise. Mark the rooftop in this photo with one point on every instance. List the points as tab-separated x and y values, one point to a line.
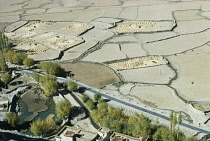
68	131
69	134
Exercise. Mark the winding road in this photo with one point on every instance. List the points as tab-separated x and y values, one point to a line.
61	79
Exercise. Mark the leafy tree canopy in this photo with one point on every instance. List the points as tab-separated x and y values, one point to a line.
28	62
6	77
41	127
63	109
72	86
12	119
52	68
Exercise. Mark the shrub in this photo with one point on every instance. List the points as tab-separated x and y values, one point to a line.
12	119
6	77
72	86
85	98
63	109
28	62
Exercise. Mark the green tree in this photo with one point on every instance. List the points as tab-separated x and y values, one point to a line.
90	104
3	41
41	127
38	127
50	87
18	58
102	108
3	65
52	68
115	113
174	121
179	121
28	62
163	134
36	76
132	120
85	98
72	86
12	119
47	77
50	123
171	120
142	126
14	57
6	77
63	109
97	97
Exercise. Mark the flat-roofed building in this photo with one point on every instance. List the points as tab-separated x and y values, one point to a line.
68	133
104	134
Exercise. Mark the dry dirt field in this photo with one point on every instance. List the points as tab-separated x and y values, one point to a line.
93	75
193	81
162	97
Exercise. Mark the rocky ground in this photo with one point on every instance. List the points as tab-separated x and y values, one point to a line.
158	49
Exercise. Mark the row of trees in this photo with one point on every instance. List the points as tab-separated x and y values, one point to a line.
14	57
17	58
50	84
8	55
138	125
3	45
52	68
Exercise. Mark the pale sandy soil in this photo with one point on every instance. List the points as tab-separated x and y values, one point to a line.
191	83
158	96
108	52
154	75
177	44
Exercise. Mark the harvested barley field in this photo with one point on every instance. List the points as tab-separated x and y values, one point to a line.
144	26
141	62
93	75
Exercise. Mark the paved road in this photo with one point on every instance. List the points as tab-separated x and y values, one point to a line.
60	79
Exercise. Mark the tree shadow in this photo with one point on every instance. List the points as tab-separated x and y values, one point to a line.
5	136
24	126
106	100
16	83
77	112
82	89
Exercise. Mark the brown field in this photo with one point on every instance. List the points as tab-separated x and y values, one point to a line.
92	75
